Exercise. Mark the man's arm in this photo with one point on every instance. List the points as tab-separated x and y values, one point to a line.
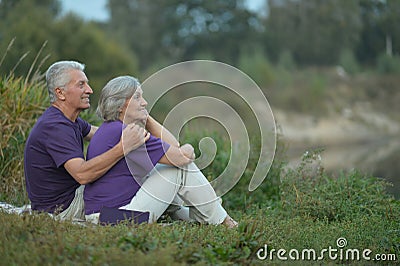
159	131
93	130
85	172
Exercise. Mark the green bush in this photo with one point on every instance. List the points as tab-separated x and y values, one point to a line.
22	100
258	67
348	61
388	64
286	61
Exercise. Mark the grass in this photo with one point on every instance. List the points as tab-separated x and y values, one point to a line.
302	219
301	208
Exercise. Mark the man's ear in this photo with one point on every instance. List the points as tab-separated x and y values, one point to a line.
60	94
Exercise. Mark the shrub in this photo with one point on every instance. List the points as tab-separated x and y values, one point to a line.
22	100
309	191
286	61
258	67
348	61
388	64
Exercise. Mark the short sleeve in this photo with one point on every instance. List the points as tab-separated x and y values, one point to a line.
142	160
156	148
64	143
84	126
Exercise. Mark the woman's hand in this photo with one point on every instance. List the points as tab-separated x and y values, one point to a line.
188	151
178	156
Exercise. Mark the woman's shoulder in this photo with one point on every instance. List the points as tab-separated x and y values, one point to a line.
106	137
112	126
111	130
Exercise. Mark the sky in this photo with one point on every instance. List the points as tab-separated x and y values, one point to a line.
96	9
88	9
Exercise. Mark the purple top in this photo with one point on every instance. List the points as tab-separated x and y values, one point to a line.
54	139
119	185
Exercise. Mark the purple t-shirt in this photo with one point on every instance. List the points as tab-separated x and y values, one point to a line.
119	185
53	140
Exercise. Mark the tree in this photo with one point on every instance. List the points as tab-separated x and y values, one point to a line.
86	42
314	31
28	21
176	30
220	28
381	29
34	22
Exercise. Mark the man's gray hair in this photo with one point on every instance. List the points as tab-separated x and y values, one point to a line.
113	96
58	76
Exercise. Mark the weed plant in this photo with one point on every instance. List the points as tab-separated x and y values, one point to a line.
22	99
309	191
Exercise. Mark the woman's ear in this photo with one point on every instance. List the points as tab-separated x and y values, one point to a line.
60	94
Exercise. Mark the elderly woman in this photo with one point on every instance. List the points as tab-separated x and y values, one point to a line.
157	176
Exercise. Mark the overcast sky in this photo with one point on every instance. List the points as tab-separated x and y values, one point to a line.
96	9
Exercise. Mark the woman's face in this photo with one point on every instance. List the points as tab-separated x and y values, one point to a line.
134	109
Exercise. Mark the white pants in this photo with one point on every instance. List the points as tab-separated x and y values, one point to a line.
76	210
168	187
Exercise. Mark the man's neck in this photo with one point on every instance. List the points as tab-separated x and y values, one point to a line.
70	114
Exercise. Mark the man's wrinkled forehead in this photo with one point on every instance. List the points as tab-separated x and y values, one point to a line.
77	76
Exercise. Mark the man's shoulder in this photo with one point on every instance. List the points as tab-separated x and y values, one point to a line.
52	114
51	121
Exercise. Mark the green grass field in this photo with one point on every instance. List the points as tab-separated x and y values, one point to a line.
312	214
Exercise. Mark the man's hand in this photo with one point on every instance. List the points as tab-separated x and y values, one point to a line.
133	137
85	172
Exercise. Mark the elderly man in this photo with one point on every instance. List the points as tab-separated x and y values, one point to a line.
54	162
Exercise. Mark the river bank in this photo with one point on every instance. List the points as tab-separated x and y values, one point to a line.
357	138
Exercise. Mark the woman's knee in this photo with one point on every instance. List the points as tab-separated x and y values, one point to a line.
170	173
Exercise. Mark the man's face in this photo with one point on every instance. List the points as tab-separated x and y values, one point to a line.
134	109
77	91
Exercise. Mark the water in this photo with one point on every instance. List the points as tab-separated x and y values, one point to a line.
378	156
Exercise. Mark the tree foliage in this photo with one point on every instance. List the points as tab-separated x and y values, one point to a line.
33	22
314	31
180	30
380	25
142	35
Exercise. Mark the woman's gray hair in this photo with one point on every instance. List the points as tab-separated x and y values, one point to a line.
113	96
58	76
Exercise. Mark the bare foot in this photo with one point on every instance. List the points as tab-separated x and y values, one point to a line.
229	222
